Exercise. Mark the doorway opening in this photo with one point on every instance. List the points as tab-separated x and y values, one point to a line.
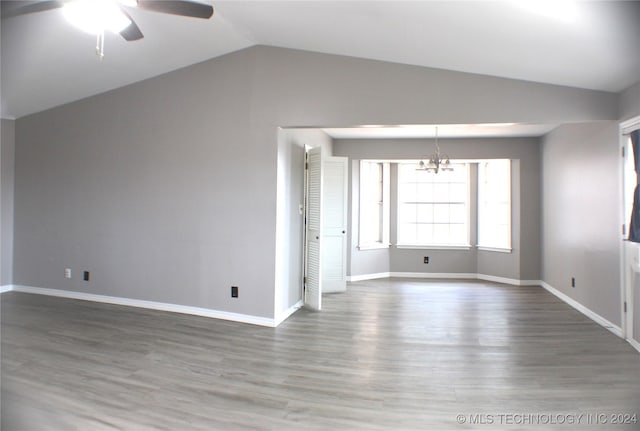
630	262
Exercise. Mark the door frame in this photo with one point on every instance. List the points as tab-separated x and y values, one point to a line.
305	168
626	273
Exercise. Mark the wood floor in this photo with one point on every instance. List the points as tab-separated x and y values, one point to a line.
388	354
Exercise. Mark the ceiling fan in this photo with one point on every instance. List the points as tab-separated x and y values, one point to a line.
96	16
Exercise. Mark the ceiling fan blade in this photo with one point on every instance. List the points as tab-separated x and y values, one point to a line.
177	7
132	31
15	8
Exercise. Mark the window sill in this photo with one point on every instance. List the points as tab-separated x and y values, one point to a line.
373	247
494	249
434	247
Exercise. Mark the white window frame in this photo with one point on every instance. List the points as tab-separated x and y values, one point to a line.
486	200
439	246
384	204
629	182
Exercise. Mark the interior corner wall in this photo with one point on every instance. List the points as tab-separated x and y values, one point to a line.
158	189
525	153
581	215
7	161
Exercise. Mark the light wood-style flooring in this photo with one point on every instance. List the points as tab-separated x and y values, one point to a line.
389	354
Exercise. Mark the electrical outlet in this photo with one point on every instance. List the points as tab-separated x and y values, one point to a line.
234	291
573	282
85	276
67	273
426	259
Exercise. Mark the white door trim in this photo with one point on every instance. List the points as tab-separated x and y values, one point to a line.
626	261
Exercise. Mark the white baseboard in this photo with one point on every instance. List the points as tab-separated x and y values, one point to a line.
535	283
285	314
6	288
265	321
368	276
444	275
584	310
505	280
152	305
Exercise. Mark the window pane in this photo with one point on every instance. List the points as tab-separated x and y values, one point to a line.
424	234
373	207
423	193
494	204
441	199
407	213
441	213
441	192
459	176
503	214
406	192
458	213
502	234
407	234
441	234
425	213
458	192
458	233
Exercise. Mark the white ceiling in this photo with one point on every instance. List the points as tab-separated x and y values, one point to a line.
46	62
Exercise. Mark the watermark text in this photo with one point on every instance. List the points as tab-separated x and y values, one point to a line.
587	418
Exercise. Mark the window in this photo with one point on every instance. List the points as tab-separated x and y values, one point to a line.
630	180
494	204
374	204
433	209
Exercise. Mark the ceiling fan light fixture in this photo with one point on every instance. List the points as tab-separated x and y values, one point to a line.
96	16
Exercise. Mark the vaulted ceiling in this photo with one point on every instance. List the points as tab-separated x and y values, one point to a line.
588	44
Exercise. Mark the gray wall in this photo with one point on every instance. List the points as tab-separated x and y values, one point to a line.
159	189
298	88
630	102
525	211
581	215
167	189
7	161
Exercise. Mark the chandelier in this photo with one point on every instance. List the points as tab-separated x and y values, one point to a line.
436	162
